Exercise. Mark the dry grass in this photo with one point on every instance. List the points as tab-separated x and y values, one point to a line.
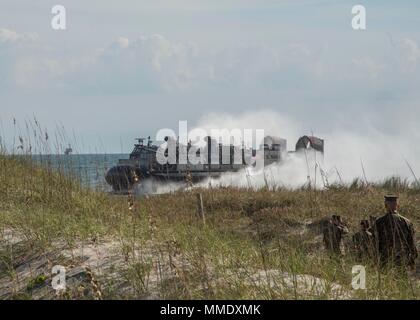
255	244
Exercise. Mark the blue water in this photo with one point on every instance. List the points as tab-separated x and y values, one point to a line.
89	169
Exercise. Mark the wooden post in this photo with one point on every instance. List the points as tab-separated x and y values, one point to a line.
200	207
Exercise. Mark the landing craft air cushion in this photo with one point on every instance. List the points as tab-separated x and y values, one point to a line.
143	163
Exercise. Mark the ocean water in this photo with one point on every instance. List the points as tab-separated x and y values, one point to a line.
90	169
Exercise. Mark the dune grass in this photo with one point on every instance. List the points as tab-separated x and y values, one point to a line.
252	242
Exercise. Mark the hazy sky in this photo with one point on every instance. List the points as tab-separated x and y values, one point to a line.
129	68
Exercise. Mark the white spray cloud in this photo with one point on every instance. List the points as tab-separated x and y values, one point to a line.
381	154
270	121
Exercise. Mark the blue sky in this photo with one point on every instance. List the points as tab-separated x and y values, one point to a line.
127	68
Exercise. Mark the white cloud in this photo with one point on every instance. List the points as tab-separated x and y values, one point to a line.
412	51
13	46
326	86
156	64
8	36
149	63
369	65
